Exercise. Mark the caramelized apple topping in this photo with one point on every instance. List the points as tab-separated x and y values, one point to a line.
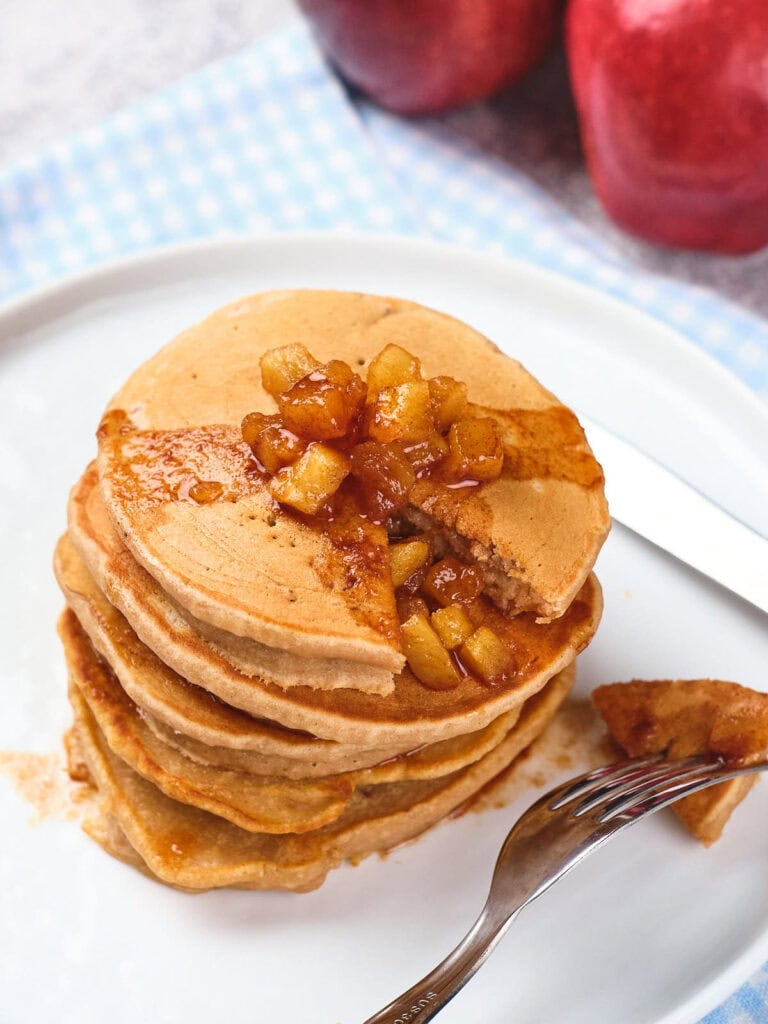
475	450
426	454
283	367
429	661
272	444
392	366
485	655
449	400
410	604
395	427
401	413
406	558
308	483
444	644
450	581
325	405
452	625
385	478
374	439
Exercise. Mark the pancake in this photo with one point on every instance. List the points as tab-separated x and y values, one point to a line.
105	831
691	716
88	522
239	789
425	762
241	697
407	718
187	710
243	565
257	803
188	847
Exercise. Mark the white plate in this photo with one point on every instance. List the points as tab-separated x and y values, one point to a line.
652	929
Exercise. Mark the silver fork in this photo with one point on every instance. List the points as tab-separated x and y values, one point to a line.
555	834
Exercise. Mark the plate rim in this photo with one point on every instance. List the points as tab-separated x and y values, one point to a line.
35	306
102	273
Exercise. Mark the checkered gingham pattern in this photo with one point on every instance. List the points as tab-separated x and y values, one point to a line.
266	141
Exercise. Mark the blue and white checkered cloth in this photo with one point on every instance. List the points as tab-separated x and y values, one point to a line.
267	140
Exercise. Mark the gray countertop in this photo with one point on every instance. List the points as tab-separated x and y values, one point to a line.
65	66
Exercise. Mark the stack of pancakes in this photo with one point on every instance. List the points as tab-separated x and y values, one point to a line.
240	696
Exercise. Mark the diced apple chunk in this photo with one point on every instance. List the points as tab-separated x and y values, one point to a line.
406	558
475	451
385	478
449	400
410	604
312	480
325	404
392	366
282	367
401	413
485	655
426	454
452	625
428	659
271	443
450	581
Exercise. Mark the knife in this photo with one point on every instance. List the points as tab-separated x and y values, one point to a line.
651	501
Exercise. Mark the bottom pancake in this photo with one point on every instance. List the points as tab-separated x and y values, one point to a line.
187	847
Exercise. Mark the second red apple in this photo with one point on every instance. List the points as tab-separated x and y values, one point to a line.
672	98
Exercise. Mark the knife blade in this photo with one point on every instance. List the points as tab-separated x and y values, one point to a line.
652	501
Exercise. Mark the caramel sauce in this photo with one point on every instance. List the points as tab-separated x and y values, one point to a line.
199	465
180	843
359	562
206	491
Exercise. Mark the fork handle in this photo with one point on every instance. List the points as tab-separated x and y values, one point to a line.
427	997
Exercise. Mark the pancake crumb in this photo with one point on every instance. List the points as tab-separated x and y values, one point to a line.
42	780
574	742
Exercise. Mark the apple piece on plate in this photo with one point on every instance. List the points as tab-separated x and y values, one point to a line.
672	99
427	56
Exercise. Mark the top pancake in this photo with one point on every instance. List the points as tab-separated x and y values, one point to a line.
242	565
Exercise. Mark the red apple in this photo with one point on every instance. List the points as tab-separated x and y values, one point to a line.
672	97
426	56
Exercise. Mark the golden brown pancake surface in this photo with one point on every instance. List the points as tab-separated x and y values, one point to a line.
110	562
242	565
188	847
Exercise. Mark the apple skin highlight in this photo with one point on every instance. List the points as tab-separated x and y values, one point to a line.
672	97
429	56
